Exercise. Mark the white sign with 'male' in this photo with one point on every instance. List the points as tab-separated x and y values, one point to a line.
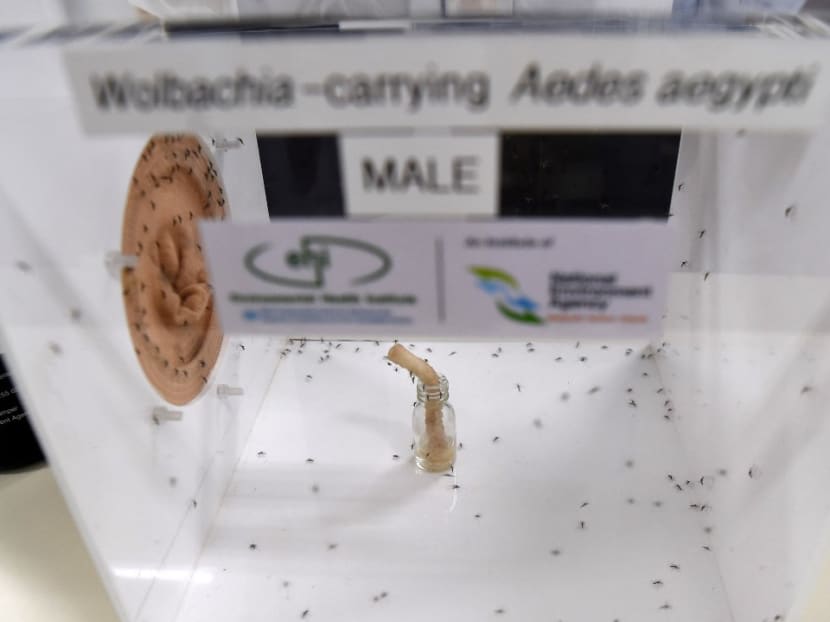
420	175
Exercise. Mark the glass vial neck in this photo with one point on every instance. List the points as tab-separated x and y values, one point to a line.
434	392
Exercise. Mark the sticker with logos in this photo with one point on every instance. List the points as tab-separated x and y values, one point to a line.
386	279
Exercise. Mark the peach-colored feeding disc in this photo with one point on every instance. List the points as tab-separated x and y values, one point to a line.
167	297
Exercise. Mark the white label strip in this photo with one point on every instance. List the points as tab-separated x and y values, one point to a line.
461	80
420	176
439	279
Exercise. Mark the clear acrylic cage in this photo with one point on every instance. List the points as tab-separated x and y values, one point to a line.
680	476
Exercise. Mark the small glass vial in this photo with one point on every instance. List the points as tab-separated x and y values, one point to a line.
433	426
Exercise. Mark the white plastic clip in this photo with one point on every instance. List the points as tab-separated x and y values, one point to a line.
224	390
116	261
219	143
162	413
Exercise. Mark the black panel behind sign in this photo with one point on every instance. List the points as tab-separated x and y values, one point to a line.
543	175
301	175
587	175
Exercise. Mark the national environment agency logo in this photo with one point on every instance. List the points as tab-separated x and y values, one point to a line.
505	290
307	265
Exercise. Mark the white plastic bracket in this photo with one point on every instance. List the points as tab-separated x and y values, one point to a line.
220	143
224	390
116	262
162	413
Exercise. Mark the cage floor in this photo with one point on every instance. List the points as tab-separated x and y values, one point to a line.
570	499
